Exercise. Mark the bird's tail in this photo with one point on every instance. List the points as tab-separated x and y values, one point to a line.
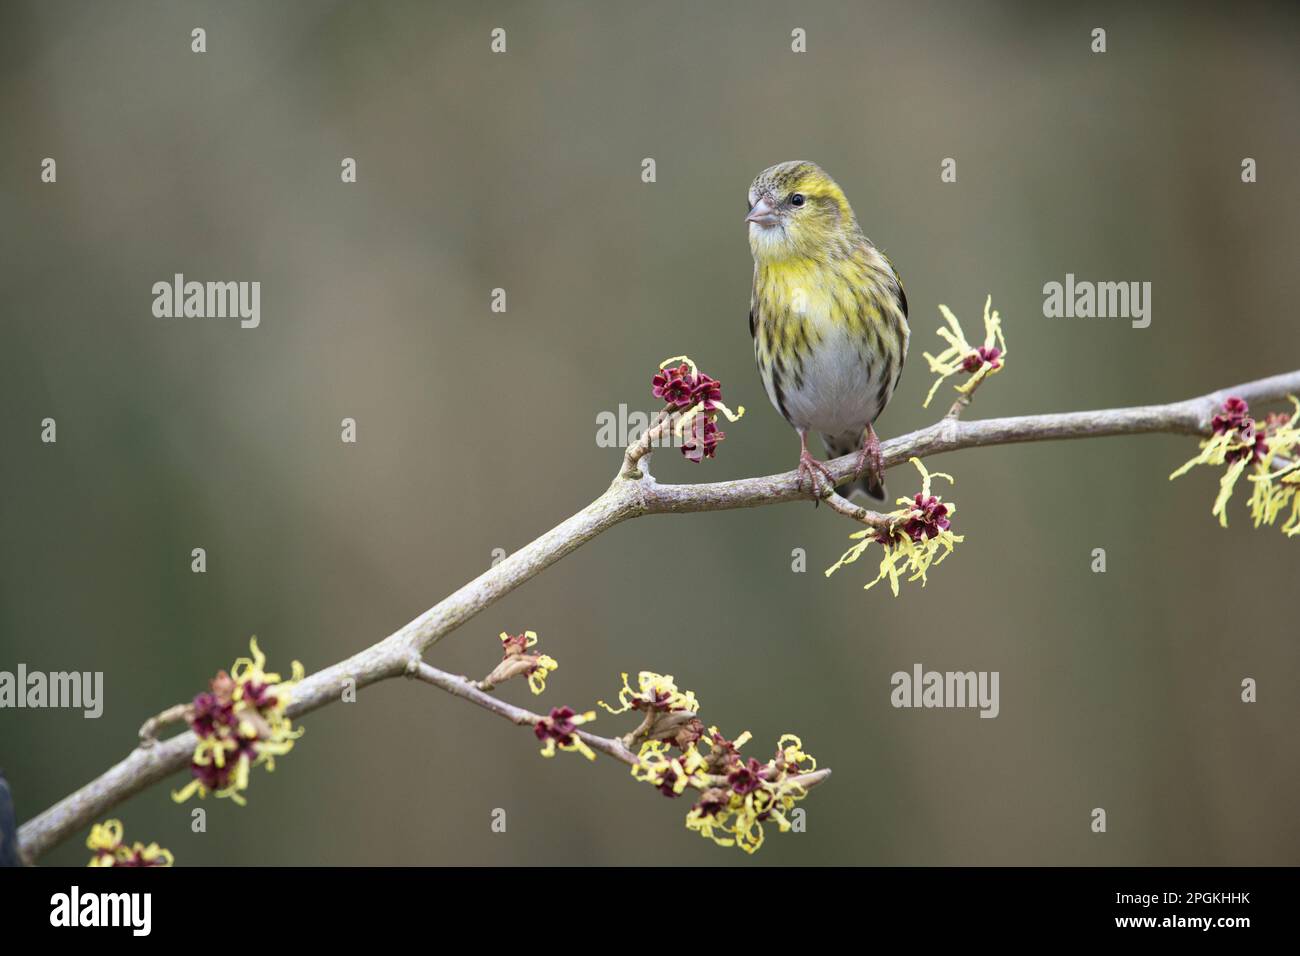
869	486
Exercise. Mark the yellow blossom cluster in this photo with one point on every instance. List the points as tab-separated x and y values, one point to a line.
1267	452
559	731
241	722
106	843
517	660
740	798
919	536
653	692
960	356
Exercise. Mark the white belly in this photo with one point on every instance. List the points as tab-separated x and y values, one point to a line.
840	386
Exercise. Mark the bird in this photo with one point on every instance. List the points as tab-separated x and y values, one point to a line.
828	316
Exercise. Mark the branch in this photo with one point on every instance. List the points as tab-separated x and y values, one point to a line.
627	497
467	689
614	747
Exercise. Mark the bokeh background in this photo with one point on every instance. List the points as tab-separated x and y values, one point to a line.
477	430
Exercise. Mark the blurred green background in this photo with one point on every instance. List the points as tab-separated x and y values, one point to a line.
477	429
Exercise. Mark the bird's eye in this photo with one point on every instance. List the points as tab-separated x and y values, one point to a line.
797	199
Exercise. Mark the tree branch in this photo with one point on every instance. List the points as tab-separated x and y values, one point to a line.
614	747
627	497
467	689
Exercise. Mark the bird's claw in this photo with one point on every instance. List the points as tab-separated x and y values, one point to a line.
816	472
870	459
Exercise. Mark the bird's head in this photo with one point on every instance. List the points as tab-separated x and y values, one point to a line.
797	211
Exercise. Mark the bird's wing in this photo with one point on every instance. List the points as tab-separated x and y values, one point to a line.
898	282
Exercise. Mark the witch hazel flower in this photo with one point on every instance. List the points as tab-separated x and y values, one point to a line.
791	758
740	797
241	723
1235	415
668	773
516	661
1276	482
700	439
106	843
978	362
674	385
917	537
670	714
559	731
684	387
656	693
724	754
746	777
1268	452
693	401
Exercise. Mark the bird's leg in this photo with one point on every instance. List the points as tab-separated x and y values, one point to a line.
870	459
813	469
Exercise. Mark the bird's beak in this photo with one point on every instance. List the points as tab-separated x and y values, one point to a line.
763	214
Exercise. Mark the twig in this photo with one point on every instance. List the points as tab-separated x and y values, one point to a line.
644	445
614	747
872	519
465	689
172	715
962	403
626	498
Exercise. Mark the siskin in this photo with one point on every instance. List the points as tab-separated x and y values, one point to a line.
828	316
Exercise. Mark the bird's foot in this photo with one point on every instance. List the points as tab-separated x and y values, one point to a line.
872	462
820	480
